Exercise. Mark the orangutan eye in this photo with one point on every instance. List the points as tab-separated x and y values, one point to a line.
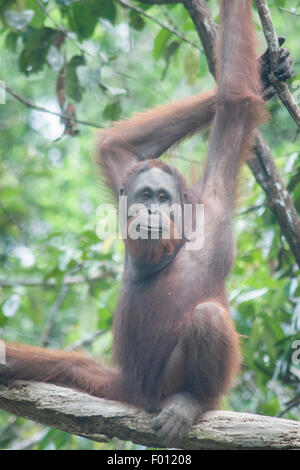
163	198
146	195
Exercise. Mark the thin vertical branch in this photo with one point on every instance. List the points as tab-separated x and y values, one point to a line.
282	89
267	175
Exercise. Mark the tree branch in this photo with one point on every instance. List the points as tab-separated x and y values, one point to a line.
289	11
62	29
81	343
289	405
68	280
100	420
272	41
41	109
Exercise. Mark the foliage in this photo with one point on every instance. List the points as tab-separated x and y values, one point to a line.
59	282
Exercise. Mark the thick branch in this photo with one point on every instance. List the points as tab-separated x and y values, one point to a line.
272	41
100	420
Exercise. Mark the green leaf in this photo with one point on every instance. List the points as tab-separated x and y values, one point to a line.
34	55
257	331
83	17
73	88
11	41
39	16
104	318
136	21
160	42
112	111
107	10
202	66
4	4
64	3
188	26
270	407
170	50
191	66
274	328
89	237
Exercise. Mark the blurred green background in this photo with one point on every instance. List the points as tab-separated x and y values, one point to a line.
58	282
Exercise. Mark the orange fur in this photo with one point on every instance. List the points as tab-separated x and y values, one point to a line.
173	335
